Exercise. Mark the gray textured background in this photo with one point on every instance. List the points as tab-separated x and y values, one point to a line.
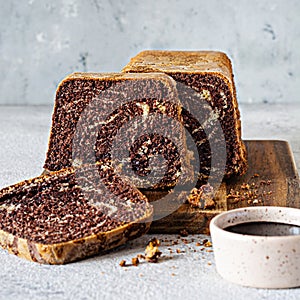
43	41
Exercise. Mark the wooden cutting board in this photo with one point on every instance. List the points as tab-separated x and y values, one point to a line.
272	179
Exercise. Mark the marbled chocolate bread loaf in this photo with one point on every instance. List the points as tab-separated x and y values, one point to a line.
71	214
131	120
210	74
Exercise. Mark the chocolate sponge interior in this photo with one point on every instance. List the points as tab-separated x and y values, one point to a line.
91	112
70	205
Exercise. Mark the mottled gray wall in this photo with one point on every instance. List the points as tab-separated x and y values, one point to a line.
43	41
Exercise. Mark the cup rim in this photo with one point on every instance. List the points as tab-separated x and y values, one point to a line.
215	222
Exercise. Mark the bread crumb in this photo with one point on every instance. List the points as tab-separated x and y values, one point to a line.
202	197
208	244
122	263
152	252
135	261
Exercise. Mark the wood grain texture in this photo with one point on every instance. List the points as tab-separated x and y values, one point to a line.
272	174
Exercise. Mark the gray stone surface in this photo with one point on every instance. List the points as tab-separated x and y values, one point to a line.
185	275
42	41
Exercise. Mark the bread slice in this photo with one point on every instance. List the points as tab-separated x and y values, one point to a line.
71	214
209	74
128	119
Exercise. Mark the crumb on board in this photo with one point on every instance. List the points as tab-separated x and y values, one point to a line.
202	197
255	191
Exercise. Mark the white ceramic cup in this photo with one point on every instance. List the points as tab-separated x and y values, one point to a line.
255	260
